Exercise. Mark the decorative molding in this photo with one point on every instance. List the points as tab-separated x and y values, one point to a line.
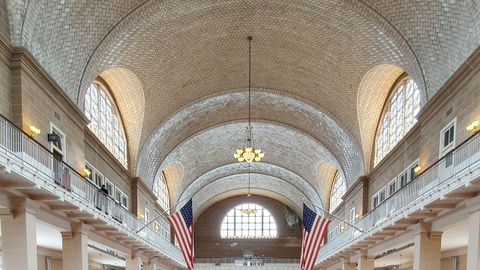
5	51
6	214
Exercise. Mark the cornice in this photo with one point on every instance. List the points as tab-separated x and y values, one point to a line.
23	59
459	77
362	180
5	50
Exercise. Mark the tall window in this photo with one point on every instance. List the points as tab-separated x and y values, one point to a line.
105	121
248	220
339	188
161	191
399	116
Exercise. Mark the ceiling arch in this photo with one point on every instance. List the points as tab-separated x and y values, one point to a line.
128	93
237	185
268	106
284	146
326	173
373	91
259	171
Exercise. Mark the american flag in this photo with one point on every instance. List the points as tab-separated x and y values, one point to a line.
182	223
314	229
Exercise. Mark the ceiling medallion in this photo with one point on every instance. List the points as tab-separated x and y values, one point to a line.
249	153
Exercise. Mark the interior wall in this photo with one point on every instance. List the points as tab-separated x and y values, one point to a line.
99	157
5	84
208	243
4	26
423	141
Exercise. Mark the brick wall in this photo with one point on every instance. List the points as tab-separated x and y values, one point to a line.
208	243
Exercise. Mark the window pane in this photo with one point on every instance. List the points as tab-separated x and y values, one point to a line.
398	117
241	222
104	121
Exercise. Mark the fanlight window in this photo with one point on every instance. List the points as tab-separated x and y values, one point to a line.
339	188
398	118
248	220
105	122
161	191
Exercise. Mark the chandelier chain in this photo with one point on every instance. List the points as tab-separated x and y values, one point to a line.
249	78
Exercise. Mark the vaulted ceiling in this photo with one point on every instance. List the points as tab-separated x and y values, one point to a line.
316	66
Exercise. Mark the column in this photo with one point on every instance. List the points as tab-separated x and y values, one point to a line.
19	236
427	249
365	262
151	266
75	248
347	265
134	263
473	250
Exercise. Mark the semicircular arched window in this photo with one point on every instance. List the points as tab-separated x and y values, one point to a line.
105	121
248	220
399	116
161	191
339	188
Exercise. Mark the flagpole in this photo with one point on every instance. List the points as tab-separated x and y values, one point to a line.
162	214
335	216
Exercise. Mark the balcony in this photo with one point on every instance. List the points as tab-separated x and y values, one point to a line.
456	172
29	168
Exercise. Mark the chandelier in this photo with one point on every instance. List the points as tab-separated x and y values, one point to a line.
249	211
249	153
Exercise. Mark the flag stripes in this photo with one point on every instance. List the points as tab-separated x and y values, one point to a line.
182	224
314	230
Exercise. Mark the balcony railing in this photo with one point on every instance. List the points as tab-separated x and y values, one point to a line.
439	179
18	150
255	261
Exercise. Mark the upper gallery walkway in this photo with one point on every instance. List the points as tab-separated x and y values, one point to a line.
438	189
29	170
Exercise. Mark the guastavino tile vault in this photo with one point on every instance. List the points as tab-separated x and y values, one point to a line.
115	115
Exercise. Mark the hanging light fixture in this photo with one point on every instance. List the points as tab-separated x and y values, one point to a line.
249	211
249	153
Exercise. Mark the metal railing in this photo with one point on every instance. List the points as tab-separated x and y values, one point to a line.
17	148
437	180
256	261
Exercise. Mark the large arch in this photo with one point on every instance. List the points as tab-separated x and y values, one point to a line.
373	92
238	185
326	172
267	106
129	98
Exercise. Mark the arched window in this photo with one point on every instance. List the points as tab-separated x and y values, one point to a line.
399	116
161	191
105	121
339	188
248	220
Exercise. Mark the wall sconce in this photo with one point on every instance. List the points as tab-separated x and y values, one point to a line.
417	170
87	172
357	216
473	126
35	131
